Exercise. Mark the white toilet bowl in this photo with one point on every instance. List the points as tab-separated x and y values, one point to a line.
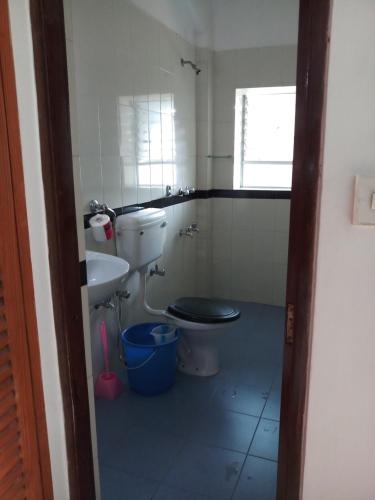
200	322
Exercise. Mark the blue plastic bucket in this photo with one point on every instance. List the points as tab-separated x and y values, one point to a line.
151	367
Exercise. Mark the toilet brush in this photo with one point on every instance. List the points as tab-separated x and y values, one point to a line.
107	383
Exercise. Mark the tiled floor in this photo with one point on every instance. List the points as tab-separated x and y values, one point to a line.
207	438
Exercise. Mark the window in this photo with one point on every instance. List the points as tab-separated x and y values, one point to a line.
264	138
147	138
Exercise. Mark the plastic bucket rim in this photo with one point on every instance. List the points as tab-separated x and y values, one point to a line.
152	346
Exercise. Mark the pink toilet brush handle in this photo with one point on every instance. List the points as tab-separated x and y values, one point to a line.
103	337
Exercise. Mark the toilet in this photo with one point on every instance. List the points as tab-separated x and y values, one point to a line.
140	239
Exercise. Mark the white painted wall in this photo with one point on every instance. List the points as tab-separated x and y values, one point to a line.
242	24
340	444
29	128
191	19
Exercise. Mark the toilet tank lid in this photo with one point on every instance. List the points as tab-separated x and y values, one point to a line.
140	219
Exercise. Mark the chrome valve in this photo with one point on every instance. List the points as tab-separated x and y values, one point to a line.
157	271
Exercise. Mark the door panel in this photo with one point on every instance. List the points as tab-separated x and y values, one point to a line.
22	471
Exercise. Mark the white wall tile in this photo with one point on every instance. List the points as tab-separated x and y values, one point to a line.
134	99
223	141
258	256
222	173
88	124
222	209
91	180
280	247
262	214
279	275
282	211
112	181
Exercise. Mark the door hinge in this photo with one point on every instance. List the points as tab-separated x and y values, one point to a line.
289	330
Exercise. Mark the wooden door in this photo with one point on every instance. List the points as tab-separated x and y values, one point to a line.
24	458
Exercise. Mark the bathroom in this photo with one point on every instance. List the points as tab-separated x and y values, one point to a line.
149	129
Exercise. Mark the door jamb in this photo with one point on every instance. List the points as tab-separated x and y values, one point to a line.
313	47
53	104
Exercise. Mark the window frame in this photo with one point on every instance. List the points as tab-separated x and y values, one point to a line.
240	138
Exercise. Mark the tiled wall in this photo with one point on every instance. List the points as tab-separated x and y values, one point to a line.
249	249
259	67
135	104
249	237
133	128
141	121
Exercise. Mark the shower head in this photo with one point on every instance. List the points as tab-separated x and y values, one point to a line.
190	63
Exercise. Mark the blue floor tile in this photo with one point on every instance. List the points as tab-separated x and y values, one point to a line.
225	429
272	408
206	470
266	440
240	398
117	485
139	451
190	443
168	493
257	481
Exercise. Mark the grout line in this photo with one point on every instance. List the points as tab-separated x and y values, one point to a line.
247	454
262	458
215	446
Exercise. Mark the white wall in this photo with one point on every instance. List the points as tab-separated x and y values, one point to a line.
191	19
341	403
29	129
241	24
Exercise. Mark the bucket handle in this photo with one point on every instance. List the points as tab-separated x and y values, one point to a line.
143	362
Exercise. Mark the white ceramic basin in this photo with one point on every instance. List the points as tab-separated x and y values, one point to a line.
105	273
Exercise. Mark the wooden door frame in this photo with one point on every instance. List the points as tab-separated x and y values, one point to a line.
20	227
312	63
53	103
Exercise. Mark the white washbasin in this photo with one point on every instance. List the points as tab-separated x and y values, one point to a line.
105	273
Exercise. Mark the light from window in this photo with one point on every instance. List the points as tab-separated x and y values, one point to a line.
264	138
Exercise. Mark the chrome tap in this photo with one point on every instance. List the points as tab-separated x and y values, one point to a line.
96	208
157	271
185	192
189	230
186	231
